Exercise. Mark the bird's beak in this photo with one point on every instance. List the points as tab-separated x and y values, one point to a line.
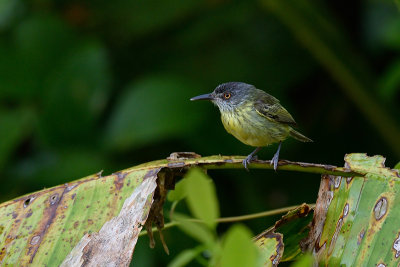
202	97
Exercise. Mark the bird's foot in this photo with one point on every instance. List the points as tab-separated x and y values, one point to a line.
274	161
247	161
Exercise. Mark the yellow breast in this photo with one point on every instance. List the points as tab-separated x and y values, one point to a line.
252	129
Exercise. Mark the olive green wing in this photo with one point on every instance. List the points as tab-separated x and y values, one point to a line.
270	108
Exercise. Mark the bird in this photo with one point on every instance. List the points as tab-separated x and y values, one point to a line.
254	117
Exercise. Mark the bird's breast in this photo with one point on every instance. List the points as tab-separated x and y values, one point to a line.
252	129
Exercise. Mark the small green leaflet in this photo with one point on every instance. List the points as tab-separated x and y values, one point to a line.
201	197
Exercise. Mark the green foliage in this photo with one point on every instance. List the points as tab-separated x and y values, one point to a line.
390	81
197	231
149	111
201	197
185	257
237	248
90	86
358	223
353	214
293	227
397	167
56	219
305	260
179	192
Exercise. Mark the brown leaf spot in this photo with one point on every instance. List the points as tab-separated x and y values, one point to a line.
54	199
346	210
338	180
28	201
119	180
360	236
380	208
2	253
69	188
396	246
29	214
35	240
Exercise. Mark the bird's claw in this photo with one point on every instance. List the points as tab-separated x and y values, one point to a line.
274	161
247	161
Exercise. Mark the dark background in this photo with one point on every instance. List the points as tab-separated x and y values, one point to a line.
104	85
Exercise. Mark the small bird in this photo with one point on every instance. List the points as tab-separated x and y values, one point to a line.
254	117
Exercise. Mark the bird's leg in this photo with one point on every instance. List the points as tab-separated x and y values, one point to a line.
250	157
276	157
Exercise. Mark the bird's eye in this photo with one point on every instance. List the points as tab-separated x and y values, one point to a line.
227	95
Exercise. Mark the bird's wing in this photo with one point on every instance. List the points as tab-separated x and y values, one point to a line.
270	108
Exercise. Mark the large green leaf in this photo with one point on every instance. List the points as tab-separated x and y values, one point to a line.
43	227
356	219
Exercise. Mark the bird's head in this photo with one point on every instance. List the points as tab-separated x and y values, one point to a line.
228	96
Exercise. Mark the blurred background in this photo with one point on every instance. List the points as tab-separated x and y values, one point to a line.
105	85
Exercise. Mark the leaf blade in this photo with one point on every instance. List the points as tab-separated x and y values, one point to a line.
238	249
201	197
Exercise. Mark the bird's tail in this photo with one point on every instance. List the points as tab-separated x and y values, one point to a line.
299	136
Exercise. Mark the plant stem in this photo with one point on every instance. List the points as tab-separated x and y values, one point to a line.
191	159
256	215
235	218
285	165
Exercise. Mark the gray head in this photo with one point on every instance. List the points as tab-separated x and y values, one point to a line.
228	96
